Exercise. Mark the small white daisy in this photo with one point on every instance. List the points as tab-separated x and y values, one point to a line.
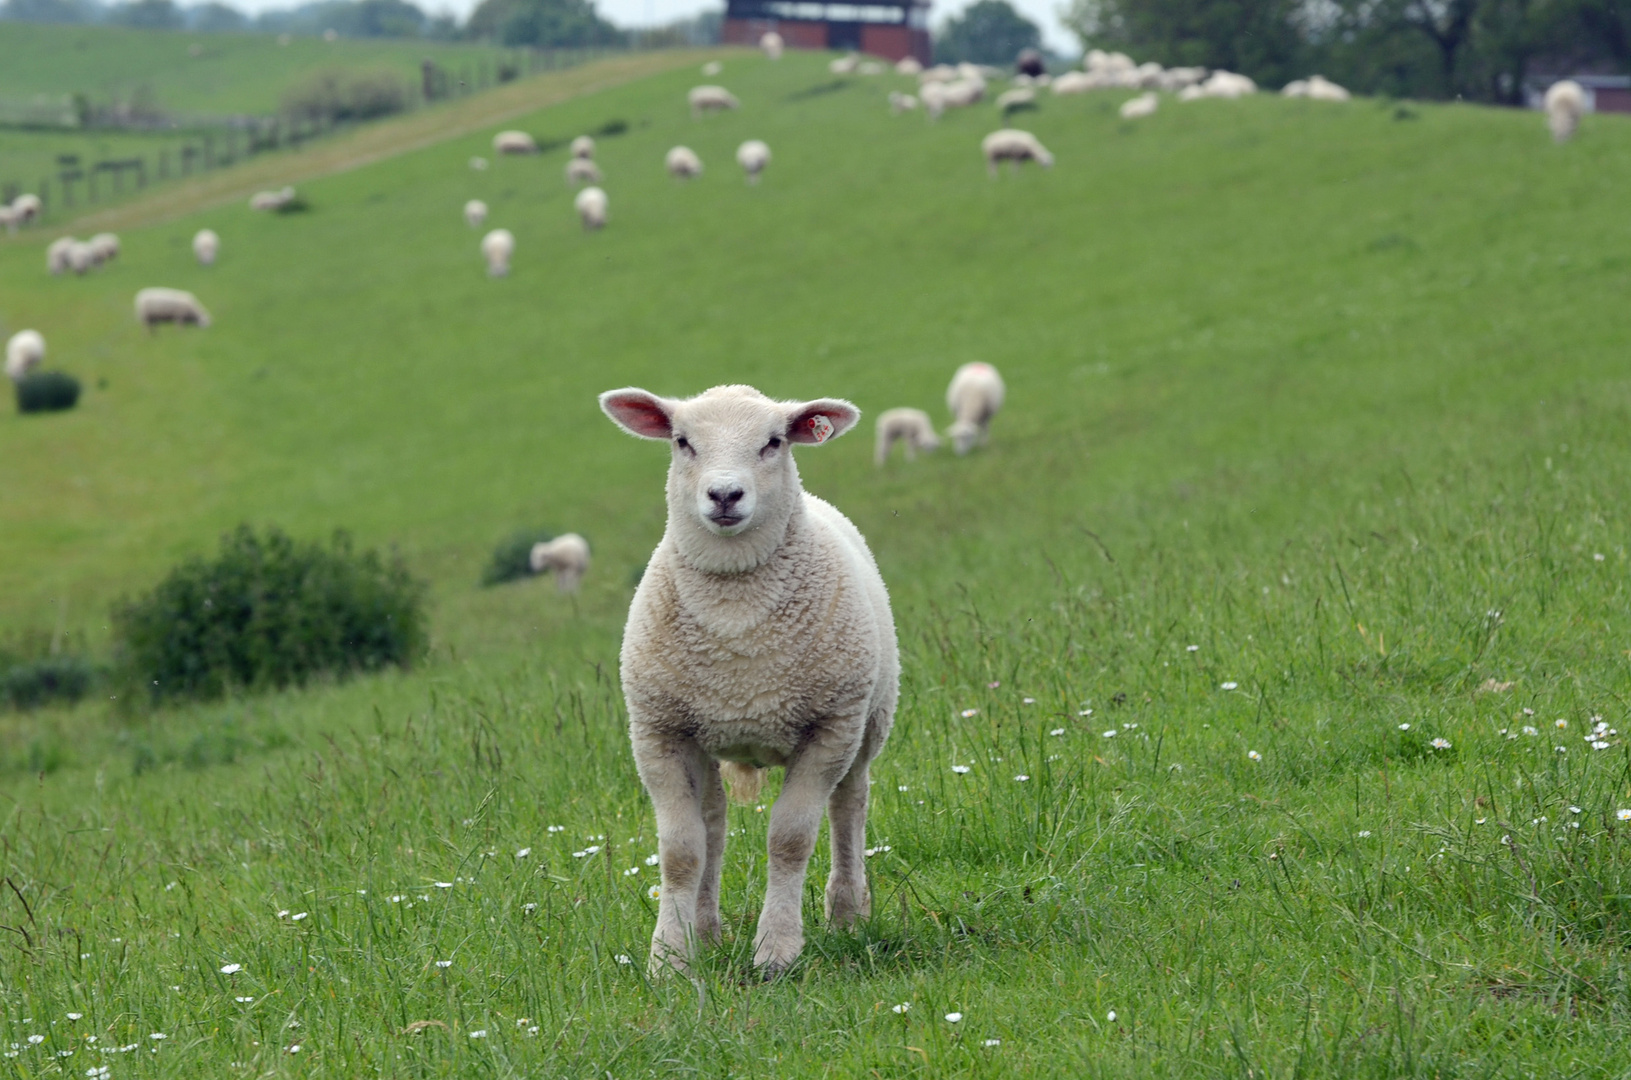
902	787
443	884
623	958
959	769
1529	730
1440	744
1230	686
444	963
1561	723
1057	732
1110	734
301	915
954	1017
529	907
1029	700
522	853
970	712
1623	815
902	1009
992	1042
652	859
479	1033
631	871
557	828
1254	755
1021	778
655	892
1404	727
231	969
1111	1016
158	1036
1363	833
1479	820
244	1000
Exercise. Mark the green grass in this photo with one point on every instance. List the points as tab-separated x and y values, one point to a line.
1337	399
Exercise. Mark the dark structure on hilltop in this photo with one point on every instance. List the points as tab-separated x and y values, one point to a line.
892	29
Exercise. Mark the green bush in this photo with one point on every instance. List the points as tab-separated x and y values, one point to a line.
46	391
336	96
38	669
269	612
512	558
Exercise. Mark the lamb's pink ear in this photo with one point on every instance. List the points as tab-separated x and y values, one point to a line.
639	413
821	420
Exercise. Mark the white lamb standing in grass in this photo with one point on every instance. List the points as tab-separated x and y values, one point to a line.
27	208
206	246
707	99
772	44
514	142
105	246
57	255
567	555
1074	82
682	163
1019	95
271	200
583	147
974	397
24	352
582	171
760	636
1565	102
475	213
1142	105
159	305
1011	144
591	206
845	65
497	247
753	156
909	65
82	257
899	102
909	426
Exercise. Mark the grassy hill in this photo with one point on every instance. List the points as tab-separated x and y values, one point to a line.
1316	433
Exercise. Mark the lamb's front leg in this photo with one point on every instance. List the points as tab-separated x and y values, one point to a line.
847	894
714	821
675	773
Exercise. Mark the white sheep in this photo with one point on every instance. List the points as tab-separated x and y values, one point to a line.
158	305
753	156
105	246
1011	144
8	218
772	44
707	99
82	257
497	247
1565	101
1220	84
682	163
1315	87
582	171
899	102
871	67
567	555
583	147
206	245
909	65
475	213
760	636
712	68
943	73
514	142
974	397
845	65
1074	82
271	200
57	255
909	426
959	93
1143	105
1174	80
591	207
24	352
1018	96
26	208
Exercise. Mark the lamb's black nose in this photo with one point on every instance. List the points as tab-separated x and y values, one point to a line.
725	498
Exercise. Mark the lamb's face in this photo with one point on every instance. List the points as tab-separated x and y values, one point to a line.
963	436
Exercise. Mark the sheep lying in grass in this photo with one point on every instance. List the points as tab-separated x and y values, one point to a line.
1315	87
583	147
1565	102
104	247
753	156
567	555
591	207
206	245
899	102
974	397
582	171
1011	144
909	65
1143	105
271	200
957	94
760	636
497	247
845	65
159	305
514	142
1074	82
771	42
24	352
682	163
707	99
1219	84
475	213
1017	98
909	426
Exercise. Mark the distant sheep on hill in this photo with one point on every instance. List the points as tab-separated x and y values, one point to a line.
57	255
271	200
682	163
591	207
1220	84
514	142
1316	88
771	42
707	99
909	65
1016	98
82	257
104	247
1011	144
1564	103
206	245
845	65
583	147
159	305
567	555
899	102
753	156
497	247
1143	105
475	213
909	426
974	397
26	209
582	171
24	352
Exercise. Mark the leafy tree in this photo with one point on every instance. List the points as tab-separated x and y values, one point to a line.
216	18
1259	38
987	32
147	14
542	23
50	11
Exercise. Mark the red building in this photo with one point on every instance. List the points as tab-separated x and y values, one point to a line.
891	30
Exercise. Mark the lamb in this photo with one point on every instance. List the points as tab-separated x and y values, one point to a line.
682	163
1011	144
24	352
899	102
591	207
871	67
1565	101
974	396
582	171
583	147
8	218
845	65
271	200
1143	105
475	213
707	99
760	636
105	246
82	257
909	426
154	306
56	256
753	156
206	245
1315	87
772	44
909	65
26	208
959	93
567	555
1220	84
497	247
514	142
1074	82
1017	98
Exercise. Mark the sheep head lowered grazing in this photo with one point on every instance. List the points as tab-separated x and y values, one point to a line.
760	636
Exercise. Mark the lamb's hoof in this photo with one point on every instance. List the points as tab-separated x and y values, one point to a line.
709	931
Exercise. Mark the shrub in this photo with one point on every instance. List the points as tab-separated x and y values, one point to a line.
46	391
336	96
36	670
268	612
512	558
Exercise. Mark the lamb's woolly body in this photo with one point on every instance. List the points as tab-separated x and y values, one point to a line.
475	213
497	247
909	426
21	211
583	147
24	352
567	555
909	65
682	163
706	99
161	305
899	102
104	247
513	142
1144	104
771	42
271	200
582	171
975	396
1564	103
591	205
56	256
753	156
206	246
1011	144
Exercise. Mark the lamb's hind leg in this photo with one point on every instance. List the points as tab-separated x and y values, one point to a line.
847	894
714	821
675	773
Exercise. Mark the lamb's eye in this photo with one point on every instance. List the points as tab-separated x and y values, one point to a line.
775	443
682	442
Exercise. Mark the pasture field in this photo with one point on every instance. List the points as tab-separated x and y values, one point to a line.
1266	636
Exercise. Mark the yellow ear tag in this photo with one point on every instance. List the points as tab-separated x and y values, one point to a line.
821	428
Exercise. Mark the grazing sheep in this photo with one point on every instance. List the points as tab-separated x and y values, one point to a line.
1564	103
57	255
27	208
82	257
1143	105
591	207
899	102
845	65
1316	87
909	426
1011	144
1075	82
682	163
24	352
871	67
8	218
707	99
154	306
206	245
105	246
475	213
974	396
271	200
583	147
1029	63
753	156
957	94
567	555
514	142
939	73
771	42
712	68
1016	98
497	247
909	65
1220	84
760	636
582	171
